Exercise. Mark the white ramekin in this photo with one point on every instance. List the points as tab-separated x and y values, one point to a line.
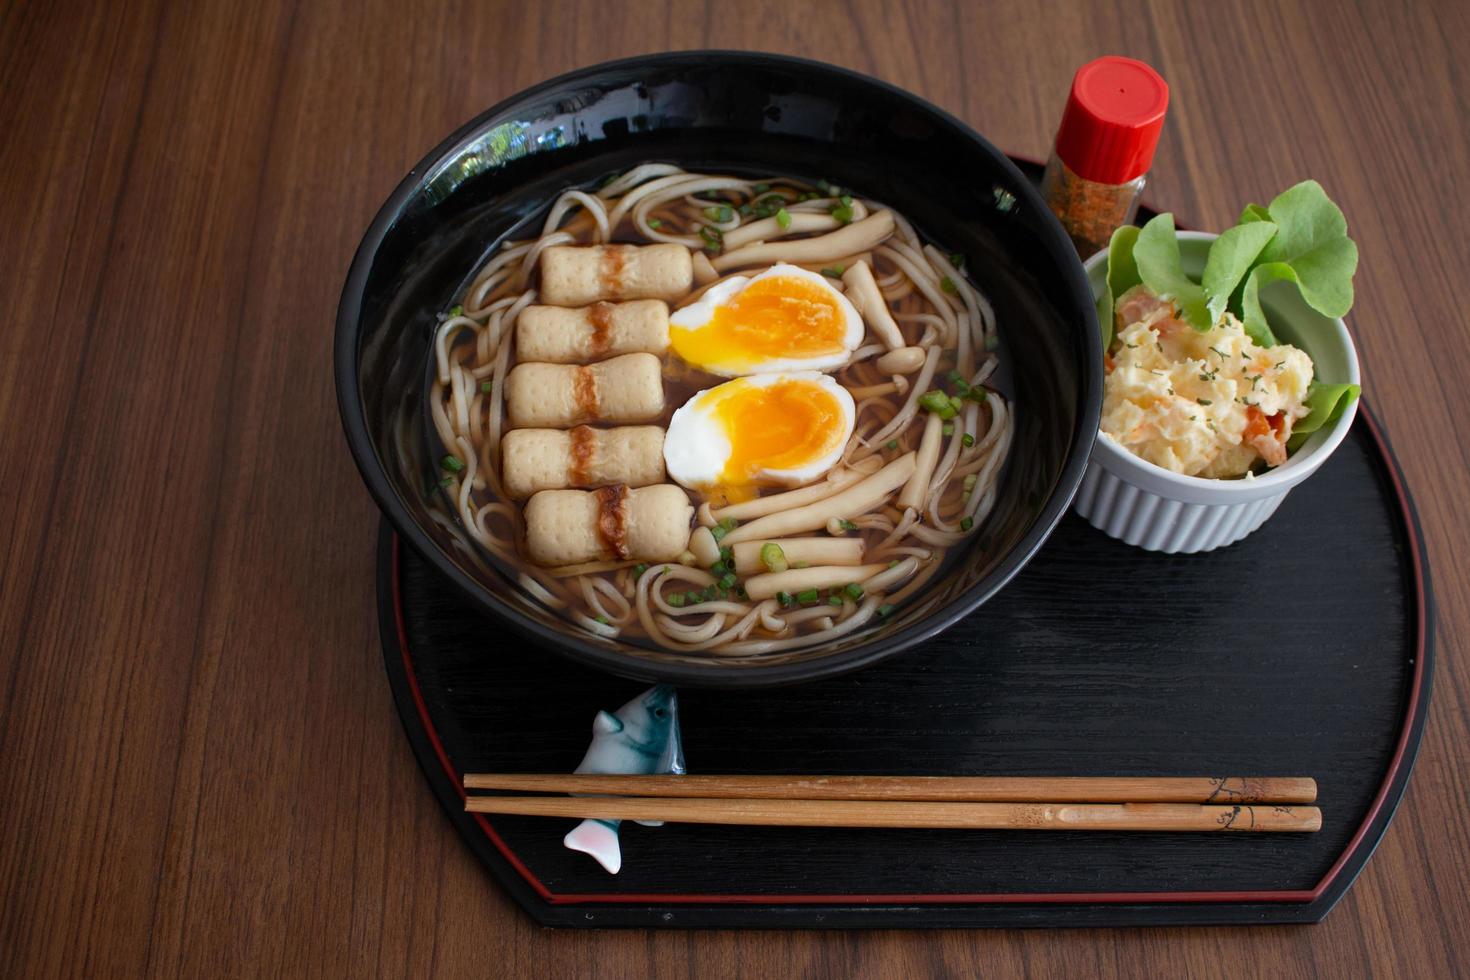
1141	504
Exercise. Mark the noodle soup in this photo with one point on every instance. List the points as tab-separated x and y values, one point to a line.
705	412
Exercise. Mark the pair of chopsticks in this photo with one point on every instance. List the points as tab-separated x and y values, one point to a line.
1189	803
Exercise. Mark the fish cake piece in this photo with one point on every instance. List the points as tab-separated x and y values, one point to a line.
533	460
627	388
569	527
578	275
558	335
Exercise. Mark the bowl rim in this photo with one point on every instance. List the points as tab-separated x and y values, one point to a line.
1195	489
715	674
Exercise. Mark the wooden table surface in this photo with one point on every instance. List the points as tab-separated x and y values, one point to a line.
201	771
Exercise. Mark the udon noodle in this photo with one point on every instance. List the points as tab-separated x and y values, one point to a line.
931	332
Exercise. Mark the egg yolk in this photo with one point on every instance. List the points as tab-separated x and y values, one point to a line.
779	426
773	318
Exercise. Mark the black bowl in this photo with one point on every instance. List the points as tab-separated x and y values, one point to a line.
744	112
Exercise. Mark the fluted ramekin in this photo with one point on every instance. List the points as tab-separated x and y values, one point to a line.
1142	504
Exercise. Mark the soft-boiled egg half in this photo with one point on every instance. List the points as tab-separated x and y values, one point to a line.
782	428
785	319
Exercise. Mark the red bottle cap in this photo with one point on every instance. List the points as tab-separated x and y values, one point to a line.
1112	121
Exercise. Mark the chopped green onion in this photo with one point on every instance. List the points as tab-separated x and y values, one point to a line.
936	401
808	196
713	592
968	440
761	188
885	610
801	564
729	524
727	555
956	404
893	563
602	619
456	310
831	190
977	394
718	532
967	523
655	223
992	341
847	525
853	591
842	212
452	464
694	597
773	557
718	568
745	209
807	597
833	271
486	386
947	429
783	218
676	600
784	598
728	580
720	214
834	600
947	284
448	481
956	377
638	571
957	259
891	444
846	200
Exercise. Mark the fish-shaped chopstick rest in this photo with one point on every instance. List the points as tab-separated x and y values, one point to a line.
641	738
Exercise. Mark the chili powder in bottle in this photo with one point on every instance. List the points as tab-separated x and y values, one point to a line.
1104	147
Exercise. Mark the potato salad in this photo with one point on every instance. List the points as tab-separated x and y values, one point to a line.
1207	403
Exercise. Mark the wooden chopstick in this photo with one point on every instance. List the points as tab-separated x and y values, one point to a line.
967	789
892	813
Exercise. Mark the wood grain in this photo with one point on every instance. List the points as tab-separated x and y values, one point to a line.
186	589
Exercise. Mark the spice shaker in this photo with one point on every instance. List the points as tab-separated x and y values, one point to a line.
1104	147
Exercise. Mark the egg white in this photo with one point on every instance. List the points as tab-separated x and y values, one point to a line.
699	313
696	446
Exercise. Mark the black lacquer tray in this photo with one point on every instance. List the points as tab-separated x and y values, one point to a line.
1304	649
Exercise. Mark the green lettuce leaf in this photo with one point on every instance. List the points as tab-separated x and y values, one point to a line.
1122	275
1231	257
1312	238
1159	266
1253	212
1325	404
1252	315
